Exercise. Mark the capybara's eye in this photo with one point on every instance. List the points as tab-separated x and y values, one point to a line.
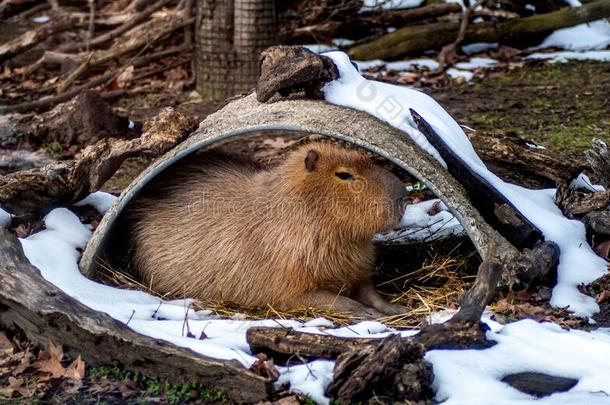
344	175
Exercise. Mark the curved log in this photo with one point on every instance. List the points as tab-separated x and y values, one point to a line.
34	306
246	116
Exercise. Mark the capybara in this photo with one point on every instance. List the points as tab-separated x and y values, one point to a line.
220	228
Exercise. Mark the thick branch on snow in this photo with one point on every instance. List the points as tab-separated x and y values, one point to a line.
434	36
493	205
69	181
32	305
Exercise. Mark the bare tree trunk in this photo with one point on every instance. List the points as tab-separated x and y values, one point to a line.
230	36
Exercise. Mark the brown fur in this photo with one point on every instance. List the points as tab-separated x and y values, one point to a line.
218	228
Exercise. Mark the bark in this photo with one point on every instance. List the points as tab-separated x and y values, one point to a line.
33	37
32	305
575	203
230	34
510	158
435	36
493	205
598	158
598	222
538	384
307	71
67	182
393	370
81	121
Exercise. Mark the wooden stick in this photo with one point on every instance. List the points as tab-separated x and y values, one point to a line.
102	39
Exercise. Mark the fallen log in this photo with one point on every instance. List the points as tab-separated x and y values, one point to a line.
598	222
498	210
574	203
82	121
70	181
394	370
108	36
33	306
37	35
435	36
521	162
464	330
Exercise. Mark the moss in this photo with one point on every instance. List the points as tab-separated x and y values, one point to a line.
560	106
175	393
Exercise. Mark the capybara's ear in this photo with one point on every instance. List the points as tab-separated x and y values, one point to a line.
311	160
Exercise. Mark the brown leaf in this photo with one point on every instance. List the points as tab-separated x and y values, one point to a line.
6	346
265	367
49	361
16	385
435	208
126	75
76	370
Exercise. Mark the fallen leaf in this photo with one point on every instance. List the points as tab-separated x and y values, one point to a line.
49	361
265	367
435	208
16	385
76	370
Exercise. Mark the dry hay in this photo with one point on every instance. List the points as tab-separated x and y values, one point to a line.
436	284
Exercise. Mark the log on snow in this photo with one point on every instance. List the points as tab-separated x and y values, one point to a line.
521	162
435	36
463	330
67	182
32	305
394	370
497	210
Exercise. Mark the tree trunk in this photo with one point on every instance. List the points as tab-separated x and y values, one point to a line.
230	36
435	36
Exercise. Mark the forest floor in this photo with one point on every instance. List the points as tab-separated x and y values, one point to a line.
559	106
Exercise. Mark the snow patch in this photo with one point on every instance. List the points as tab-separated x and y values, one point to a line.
456	74
478	47
584	37
565	56
370	5
474	376
100	200
475	63
578	262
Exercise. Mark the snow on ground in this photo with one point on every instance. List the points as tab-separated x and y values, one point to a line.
426	220
456	73
461	376
474	376
565	56
369	5
475	63
477	47
578	262
100	200
584	37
